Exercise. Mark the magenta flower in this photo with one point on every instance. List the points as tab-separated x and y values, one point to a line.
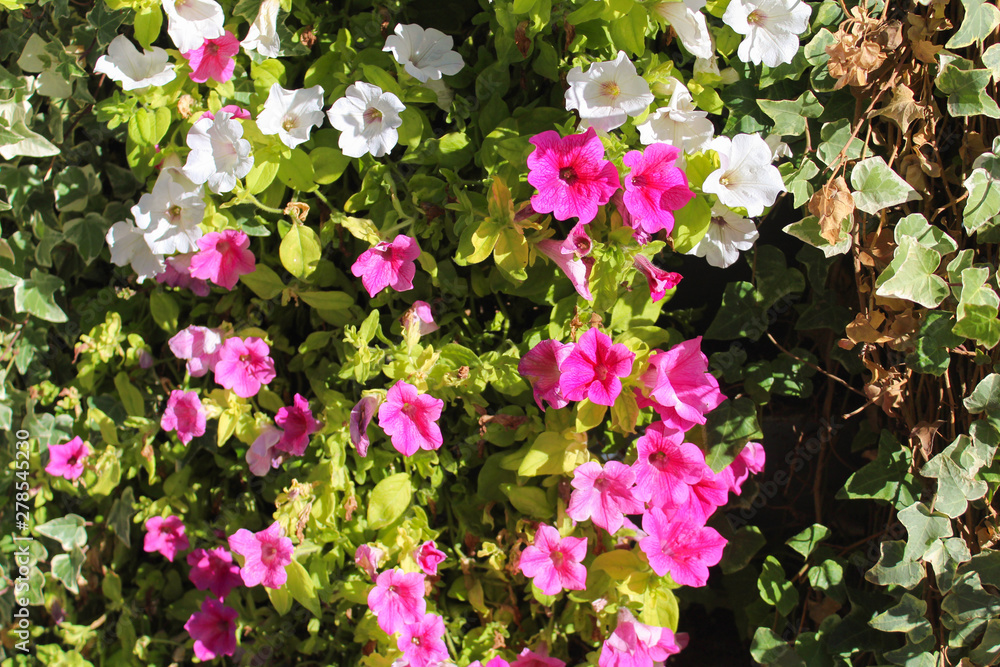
495	661
361	417
554	563
666	466
541	364
429	557
604	496
178	274
410	419
244	365
214	570
568	257
199	346
223	258
388	265
213	630
299	424
750	461
679	385
528	658
640	235
165	535
368	559
397	599
707	495
261	456
67	460
422	642
571	175
419	317
655	187
677	545
238	112
184	414
265	555
593	368
659	280
635	644
214	59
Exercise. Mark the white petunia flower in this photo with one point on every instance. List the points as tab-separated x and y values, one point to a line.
191	22
607	93
679	123
772	29
745	176
128	246
263	34
291	114
779	148
132	69
689	23
445	95
367	119
219	155
170	214
728	234
424	54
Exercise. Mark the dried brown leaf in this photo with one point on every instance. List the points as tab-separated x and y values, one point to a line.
902	109
831	204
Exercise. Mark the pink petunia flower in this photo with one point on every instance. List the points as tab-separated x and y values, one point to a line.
593	368
223	258
214	570
429	557
659	280
238	112
422	642
410	419
529	658
178	274
184	414
199	346
388	265
554	563
541	364
361	417
638	233
707	495
261	456
213	630
572	177
635	644
397	599
604	496
244	365
368	559
655	187
679	386
750	461
265	555
570	255
666	466
495	661
419	317
214	59
299	424
165	535
680	547
67	460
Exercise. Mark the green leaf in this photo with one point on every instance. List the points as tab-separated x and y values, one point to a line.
887	477
68	530
120	516
827	576
619	563
691	224
529	500
983	202
935	339
728	429
985	398
834	137
774	587
328	300
589	415
911	275
264	282
977	308
805	541
261	176
37	296
389	499
554	454
87	234
955	469
876	186
893	568
300	250
988	650
302	588
296	171
281	599
966	91
328	164
808	230
905	616
790	115
131	397
628	32
923	528
148	23
768	648
659	607
164	309
981	19
66	568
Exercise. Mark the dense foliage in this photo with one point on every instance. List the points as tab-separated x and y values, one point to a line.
426	384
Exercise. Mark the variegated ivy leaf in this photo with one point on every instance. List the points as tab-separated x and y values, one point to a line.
981	19
923	528
977	308
876	186
955	470
966	91
984	192
808	230
911	274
